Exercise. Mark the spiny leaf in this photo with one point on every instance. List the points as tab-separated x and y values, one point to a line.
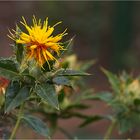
37	125
8	68
48	94
90	120
21	94
61	80
69	72
11	92
114	81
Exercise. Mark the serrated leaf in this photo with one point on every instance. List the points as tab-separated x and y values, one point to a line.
69	72
47	93
90	120
61	80
8	69
15	96
114	81
37	125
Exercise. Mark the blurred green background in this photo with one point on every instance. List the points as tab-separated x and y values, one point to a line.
106	31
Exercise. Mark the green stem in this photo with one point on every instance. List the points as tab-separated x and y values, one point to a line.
17	122
110	129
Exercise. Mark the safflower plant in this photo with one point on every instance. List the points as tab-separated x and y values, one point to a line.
71	100
42	83
123	100
35	72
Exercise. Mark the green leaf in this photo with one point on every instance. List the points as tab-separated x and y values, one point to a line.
90	120
29	79
19	52
67	46
61	96
53	117
8	68
114	81
65	65
137	102
87	65
37	125
61	80
15	96
125	124
48	94
11	92
69	72
104	96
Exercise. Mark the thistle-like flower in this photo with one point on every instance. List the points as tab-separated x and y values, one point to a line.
39	42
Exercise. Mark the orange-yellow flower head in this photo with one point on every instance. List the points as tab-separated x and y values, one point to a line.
39	42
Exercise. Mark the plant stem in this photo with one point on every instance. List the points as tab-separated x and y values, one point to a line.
17	122
110	129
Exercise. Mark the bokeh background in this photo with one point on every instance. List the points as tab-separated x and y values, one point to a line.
106	31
